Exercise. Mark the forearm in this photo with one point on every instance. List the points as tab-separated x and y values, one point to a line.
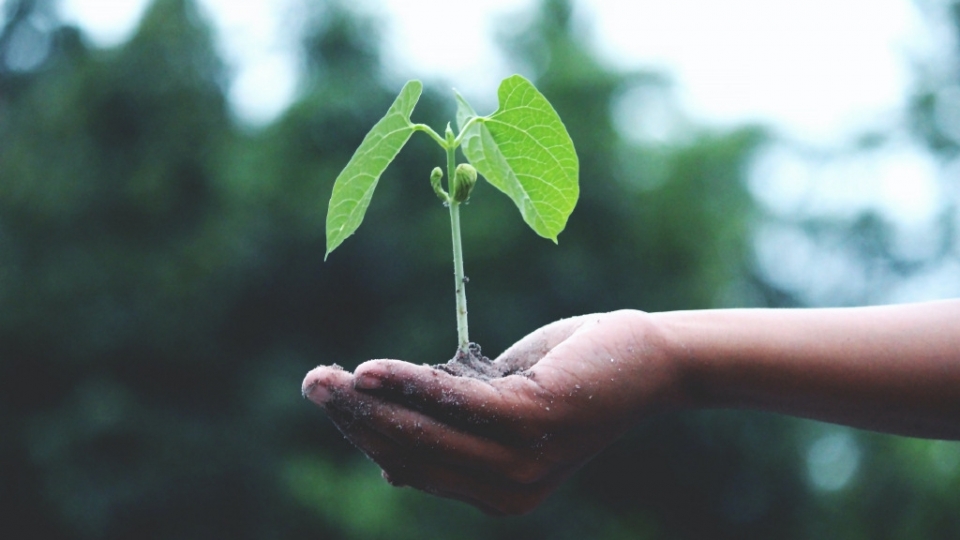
894	369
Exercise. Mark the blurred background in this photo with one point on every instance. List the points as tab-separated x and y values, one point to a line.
164	174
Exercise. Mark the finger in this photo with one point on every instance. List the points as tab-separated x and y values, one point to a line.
464	401
535	345
439	443
381	449
356	412
459	401
436	459
402	467
332	388
415	433
395	375
439	470
324	382
417	450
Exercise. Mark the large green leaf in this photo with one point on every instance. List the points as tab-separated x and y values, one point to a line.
524	150
354	186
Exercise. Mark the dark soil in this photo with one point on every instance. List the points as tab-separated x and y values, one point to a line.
477	366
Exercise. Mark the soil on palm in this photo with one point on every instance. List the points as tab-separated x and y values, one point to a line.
475	365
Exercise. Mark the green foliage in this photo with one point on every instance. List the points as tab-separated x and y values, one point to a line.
523	149
354	186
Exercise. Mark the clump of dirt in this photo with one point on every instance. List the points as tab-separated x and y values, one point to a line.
475	365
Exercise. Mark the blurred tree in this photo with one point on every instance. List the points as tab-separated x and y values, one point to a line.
897	487
163	292
936	105
874	256
120	259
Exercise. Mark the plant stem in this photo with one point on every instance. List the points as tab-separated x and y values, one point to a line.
461	282
462	332
429	131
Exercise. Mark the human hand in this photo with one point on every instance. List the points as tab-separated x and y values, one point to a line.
505	444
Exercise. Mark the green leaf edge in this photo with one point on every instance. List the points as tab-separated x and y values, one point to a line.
362	173
481	148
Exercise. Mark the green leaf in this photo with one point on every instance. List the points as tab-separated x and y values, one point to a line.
354	186
524	150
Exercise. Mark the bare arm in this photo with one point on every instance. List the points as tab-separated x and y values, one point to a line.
894	369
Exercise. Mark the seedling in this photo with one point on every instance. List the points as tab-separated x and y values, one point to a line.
522	149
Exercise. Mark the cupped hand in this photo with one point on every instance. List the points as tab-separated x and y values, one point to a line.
503	445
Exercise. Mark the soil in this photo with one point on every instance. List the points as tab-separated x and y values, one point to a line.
475	365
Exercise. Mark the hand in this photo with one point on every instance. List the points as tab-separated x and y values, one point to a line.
504	445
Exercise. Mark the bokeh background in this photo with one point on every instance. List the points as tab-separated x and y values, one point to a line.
163	289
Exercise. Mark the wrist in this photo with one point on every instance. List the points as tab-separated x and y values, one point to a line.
681	335
661	377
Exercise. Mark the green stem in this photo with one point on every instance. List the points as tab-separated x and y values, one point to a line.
433	134
461	282
463	132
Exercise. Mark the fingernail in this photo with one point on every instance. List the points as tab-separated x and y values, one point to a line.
316	392
367	382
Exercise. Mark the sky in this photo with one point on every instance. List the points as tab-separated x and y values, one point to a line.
816	69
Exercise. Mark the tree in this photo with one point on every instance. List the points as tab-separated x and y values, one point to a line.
163	292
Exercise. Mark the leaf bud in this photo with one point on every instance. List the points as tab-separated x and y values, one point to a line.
435	175
464	178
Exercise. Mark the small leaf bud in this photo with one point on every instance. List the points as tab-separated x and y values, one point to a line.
435	175
464	179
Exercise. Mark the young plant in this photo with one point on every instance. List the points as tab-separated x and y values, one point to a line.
522	149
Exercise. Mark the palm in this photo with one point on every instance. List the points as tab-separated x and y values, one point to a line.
502	445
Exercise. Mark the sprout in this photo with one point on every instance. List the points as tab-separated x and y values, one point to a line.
464	179
522	149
